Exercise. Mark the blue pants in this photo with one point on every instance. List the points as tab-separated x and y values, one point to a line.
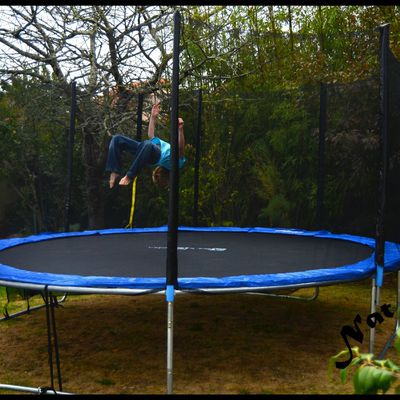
145	153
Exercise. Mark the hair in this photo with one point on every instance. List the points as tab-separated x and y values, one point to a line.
161	177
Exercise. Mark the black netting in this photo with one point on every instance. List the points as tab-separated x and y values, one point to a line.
392	221
352	156
263	140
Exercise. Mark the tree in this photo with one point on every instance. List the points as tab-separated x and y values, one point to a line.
101	47
115	52
105	49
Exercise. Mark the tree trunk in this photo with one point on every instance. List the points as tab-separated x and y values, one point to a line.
290	20
94	158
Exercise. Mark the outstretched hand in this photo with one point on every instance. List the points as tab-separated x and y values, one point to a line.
156	109
180	123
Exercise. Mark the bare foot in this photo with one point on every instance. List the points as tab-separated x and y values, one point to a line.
113	177
125	180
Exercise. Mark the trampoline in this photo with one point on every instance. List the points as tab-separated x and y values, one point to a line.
209	259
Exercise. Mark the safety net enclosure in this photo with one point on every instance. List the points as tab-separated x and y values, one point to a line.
209	258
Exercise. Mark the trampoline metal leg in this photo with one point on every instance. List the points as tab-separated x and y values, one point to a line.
397	325
373	309
29	389
387	346
285	296
28	310
170	346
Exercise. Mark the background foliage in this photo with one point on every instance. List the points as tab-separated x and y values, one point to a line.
260	69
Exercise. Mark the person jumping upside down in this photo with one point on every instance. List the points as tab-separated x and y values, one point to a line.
152	152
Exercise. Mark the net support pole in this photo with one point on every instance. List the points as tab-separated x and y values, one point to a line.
383	141
197	160
172	238
71	137
139	123
320	214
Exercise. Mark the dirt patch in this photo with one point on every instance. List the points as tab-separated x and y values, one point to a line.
223	344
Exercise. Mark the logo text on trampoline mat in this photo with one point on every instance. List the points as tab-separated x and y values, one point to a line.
190	248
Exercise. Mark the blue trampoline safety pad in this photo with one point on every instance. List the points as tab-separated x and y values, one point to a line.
208	258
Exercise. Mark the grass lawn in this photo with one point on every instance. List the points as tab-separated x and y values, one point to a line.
223	344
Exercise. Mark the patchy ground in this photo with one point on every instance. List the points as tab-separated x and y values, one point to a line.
223	344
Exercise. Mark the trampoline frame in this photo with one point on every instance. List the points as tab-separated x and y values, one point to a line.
28	309
259	282
393	262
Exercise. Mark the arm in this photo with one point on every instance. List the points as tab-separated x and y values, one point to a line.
181	137
153	118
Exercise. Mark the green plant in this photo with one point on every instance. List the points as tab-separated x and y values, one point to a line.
371	376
